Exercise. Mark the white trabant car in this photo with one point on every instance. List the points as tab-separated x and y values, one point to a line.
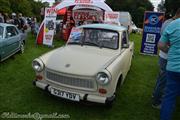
89	67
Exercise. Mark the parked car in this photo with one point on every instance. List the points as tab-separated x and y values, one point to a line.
134	28
125	19
11	40
95	59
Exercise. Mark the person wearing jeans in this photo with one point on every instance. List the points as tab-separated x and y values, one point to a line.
160	84
172	90
161	79
170	42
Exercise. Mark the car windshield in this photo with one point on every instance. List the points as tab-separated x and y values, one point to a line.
1	31
94	37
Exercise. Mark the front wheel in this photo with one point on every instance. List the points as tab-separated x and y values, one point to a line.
109	101
22	47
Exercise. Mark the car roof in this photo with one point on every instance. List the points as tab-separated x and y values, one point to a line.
104	26
5	24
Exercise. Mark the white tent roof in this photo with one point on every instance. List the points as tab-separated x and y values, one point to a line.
98	3
86	7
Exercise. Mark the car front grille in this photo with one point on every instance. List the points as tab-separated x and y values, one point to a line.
71	81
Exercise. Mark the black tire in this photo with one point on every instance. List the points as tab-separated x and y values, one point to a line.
22	47
109	105
119	83
109	101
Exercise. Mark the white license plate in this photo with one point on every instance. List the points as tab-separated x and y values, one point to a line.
66	95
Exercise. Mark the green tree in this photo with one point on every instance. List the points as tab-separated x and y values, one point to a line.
171	6
5	6
26	7
140	13
45	4
36	7
21	6
161	7
135	7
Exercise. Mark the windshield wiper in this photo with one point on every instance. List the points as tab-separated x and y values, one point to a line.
75	43
90	43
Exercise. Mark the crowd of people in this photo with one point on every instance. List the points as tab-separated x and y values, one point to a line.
21	22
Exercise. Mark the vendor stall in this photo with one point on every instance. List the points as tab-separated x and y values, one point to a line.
77	12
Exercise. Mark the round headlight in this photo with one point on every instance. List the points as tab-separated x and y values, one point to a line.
37	65
102	78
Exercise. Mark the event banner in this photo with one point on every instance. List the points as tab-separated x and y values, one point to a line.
151	32
111	18
75	34
87	15
49	26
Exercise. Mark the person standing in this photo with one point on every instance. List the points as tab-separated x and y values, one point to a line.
94	20
1	18
23	22
161	79
6	18
16	21
42	13
170	43
33	26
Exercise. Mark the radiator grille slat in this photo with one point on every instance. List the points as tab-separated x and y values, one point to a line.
76	82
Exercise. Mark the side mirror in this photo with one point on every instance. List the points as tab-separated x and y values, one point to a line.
126	45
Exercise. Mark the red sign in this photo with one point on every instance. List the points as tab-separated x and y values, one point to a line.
48	37
51	11
87	15
112	16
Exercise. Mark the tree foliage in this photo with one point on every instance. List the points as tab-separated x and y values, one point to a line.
161	7
135	7
5	6
26	7
171	6
20	6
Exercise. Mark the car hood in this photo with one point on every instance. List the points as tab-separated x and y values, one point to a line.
79	60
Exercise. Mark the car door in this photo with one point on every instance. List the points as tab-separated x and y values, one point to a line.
126	51
11	42
1	40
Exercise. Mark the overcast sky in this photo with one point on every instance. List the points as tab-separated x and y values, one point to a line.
154	2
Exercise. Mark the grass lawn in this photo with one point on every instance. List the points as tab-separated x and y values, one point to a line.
133	101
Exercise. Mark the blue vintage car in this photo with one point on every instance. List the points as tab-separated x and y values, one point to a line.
11	40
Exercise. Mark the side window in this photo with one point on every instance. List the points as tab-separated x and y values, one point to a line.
124	42
1	32
11	31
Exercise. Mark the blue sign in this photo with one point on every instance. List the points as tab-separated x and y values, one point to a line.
151	32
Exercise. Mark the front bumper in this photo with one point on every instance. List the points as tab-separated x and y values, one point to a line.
83	97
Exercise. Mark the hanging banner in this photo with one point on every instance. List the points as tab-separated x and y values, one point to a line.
87	15
49	26
75	35
151	32
111	18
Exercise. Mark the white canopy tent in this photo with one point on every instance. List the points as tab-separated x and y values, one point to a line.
67	3
97	3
